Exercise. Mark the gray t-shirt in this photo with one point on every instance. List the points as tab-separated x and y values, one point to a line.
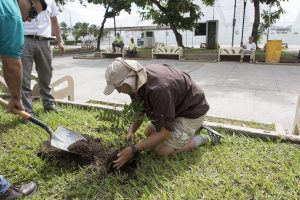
170	93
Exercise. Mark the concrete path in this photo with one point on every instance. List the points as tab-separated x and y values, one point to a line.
258	92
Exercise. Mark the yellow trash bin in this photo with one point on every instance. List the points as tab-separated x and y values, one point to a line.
273	51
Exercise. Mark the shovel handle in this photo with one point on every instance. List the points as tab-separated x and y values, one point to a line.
27	116
16	111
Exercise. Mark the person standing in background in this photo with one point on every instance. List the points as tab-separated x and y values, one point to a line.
37	48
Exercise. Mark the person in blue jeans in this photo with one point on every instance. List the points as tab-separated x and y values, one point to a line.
10	192
12	15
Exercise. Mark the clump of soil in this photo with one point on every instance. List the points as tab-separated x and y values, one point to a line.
89	152
128	167
89	149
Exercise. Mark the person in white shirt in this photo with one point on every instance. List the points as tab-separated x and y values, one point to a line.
37	48
249	48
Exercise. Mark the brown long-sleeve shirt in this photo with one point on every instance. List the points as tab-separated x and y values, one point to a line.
170	93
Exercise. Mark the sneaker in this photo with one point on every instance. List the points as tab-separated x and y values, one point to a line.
52	108
214	135
17	191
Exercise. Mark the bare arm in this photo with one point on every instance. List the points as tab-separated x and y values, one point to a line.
154	139
149	143
56	30
134	127
12	71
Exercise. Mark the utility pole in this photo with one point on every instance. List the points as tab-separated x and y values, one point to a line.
269	21
245	3
114	17
233	23
214	11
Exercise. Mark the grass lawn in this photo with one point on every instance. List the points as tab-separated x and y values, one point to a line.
239	168
284	53
70	50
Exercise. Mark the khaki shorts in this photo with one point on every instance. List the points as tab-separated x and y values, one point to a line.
184	131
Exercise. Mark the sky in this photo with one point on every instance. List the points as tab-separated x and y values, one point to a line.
75	12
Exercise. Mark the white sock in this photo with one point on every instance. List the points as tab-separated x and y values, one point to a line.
200	140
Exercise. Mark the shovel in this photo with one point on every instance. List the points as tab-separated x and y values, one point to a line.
62	138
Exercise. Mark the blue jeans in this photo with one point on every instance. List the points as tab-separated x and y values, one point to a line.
4	185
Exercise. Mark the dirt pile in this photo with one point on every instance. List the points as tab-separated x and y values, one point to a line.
89	152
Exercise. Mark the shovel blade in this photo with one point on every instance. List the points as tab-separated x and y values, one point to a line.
62	138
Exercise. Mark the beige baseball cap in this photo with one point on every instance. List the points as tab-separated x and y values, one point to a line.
124	71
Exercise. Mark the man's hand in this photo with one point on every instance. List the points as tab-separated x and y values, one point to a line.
14	103
124	156
61	48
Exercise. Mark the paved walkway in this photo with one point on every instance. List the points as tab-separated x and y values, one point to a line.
258	92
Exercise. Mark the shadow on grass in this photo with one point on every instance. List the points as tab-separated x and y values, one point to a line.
5	126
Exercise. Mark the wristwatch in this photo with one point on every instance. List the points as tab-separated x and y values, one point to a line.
134	151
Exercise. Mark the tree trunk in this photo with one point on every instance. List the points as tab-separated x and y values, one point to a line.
256	20
178	36
102	28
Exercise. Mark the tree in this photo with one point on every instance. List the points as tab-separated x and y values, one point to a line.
76	31
178	14
258	29
269	19
112	8
64	30
83	31
93	30
80	29
61	2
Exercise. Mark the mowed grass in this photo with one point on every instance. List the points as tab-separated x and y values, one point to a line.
239	168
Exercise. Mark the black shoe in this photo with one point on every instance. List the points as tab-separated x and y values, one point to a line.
214	135
52	109
17	191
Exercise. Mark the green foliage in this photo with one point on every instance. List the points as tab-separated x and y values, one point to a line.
112	8
61	2
82	29
116	6
239	168
259	28
182	14
64	30
121	121
93	29
269	18
178	14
